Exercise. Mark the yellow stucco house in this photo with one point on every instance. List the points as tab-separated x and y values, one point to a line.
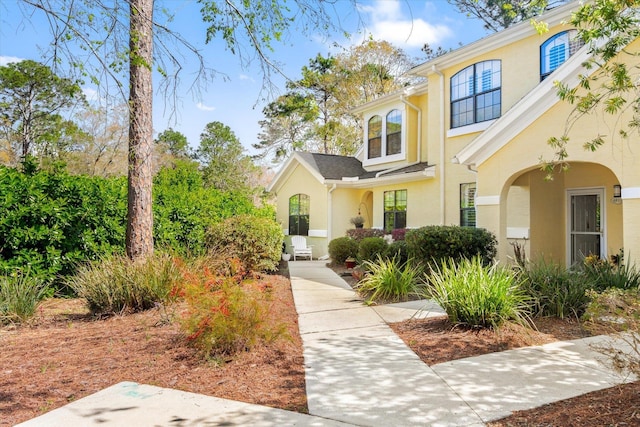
464	147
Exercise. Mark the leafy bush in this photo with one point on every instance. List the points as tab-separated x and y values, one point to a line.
358	234
556	290
371	248
115	284
224	317
257	242
436	243
20	295
52	221
342	248
389	280
477	295
398	234
398	250
184	209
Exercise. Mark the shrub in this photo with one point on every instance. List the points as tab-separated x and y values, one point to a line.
389	280
20	295
224	317
342	248
436	243
398	234
603	274
477	295
556	290
116	284
257	242
371	248
358	234
51	221
398	250
184	209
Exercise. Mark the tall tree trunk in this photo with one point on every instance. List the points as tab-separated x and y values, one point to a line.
139	215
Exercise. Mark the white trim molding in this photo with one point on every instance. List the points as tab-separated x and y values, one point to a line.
317	233
487	200
631	193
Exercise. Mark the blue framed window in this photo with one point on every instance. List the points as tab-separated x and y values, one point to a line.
476	93
556	50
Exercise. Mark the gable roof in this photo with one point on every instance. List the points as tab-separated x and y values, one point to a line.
347	171
494	41
526	111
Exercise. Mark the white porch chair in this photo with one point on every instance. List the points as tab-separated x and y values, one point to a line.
300	248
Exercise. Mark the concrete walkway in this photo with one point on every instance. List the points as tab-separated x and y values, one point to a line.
358	372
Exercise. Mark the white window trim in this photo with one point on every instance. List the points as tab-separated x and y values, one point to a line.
472	128
403	140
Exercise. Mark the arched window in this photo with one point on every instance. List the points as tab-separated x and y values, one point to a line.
394	132
556	50
375	137
299	215
476	94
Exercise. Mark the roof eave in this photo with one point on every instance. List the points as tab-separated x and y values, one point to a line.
523	113
497	40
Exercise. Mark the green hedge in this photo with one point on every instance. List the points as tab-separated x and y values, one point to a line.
52	221
435	243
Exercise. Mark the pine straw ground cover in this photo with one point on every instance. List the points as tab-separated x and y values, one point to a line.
66	355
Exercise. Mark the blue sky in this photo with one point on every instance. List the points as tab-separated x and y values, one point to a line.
237	100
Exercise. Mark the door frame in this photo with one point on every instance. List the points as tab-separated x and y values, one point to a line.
603	218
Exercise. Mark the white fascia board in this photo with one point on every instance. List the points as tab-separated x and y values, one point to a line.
289	167
497	40
281	173
391	98
529	109
427	173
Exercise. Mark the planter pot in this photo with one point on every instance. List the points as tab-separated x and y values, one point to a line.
350	264
359	225
286	257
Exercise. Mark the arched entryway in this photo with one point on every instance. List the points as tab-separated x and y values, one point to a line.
565	219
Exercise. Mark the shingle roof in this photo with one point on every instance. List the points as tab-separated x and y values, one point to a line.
335	167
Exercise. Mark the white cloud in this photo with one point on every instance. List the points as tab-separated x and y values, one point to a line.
90	94
387	22
246	77
203	107
4	60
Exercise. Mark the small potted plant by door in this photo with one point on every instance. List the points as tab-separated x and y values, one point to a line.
285	255
358	221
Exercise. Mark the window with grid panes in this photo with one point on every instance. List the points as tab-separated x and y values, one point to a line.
395	210
468	204
476	93
299	215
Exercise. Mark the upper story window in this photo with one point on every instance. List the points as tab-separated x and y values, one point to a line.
375	137
394	132
556	50
384	135
476	94
299	215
